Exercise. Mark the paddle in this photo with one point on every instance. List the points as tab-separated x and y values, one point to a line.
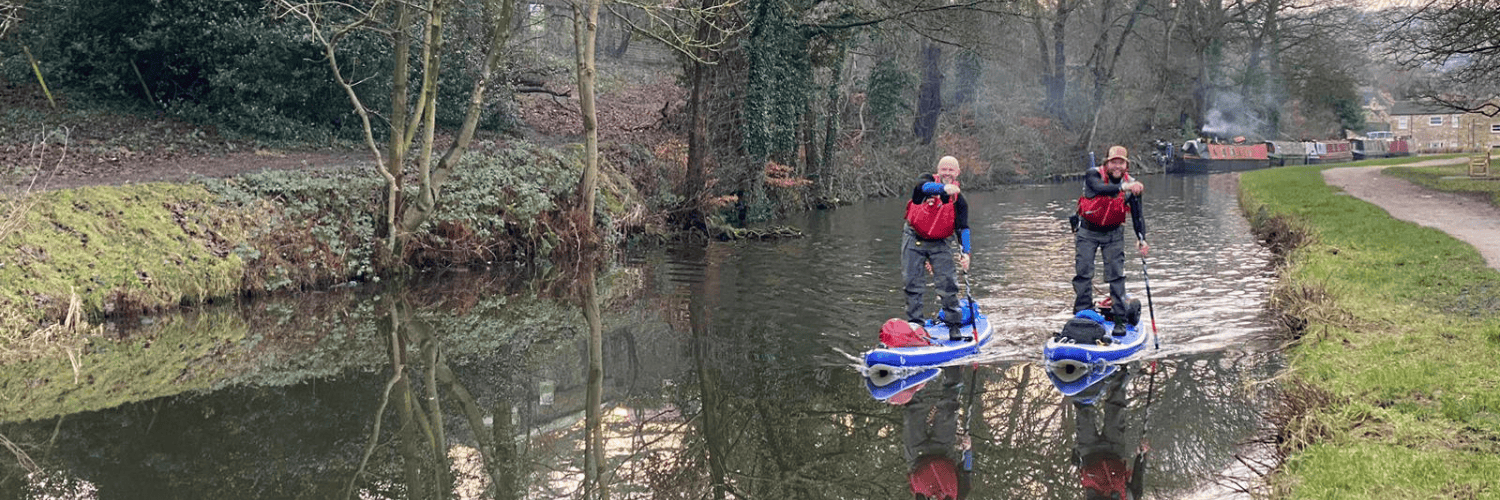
968	422
1155	337
973	309
1146	419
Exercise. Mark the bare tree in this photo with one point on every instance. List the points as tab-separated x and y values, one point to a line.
1459	42
1051	28
332	22
1102	63
10	15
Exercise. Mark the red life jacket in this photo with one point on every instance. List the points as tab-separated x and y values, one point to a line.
933	218
935	477
1107	476
1107	211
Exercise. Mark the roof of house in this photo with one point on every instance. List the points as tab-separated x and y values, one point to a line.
1420	108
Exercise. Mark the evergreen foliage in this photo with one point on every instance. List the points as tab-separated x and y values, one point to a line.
231	64
887	94
779	82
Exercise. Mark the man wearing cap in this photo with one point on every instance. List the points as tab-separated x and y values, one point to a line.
936	213
1109	194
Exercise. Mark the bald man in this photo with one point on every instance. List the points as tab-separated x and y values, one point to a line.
936	214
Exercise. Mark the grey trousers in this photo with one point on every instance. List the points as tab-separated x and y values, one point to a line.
915	252
1112	245
1106	435
930	420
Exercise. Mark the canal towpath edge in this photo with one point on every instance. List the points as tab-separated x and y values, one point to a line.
1469	220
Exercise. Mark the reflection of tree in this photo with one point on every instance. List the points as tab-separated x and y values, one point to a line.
1017	447
709	405
415	430
1207	406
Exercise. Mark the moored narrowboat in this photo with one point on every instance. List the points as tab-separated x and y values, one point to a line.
1202	157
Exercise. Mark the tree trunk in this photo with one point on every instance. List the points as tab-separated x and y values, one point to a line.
623	22
498	15
426	115
930	95
1163	77
1055	61
586	29
831	125
697	175
969	70
1104	70
1255	82
396	155
810	149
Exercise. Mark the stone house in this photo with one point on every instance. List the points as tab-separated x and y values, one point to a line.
1435	129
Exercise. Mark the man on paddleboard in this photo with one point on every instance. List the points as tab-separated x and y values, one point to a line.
1109	195
936	214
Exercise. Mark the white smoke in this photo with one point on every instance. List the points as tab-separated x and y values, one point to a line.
1230	115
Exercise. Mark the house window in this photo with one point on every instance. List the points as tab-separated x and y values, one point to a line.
1495	128
1435	145
1403	122
1436	121
1455	121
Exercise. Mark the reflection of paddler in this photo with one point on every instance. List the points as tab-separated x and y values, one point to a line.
936	468
1101	447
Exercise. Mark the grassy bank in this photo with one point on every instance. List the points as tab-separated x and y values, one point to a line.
104	251
1453	178
1392	391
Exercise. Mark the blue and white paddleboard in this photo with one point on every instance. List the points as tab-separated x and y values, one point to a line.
892	384
1118	349
942	350
1073	367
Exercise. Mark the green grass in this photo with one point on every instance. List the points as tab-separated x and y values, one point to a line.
140	247
1365	470
1406	341
1453	178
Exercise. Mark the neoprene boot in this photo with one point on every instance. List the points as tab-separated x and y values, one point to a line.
1119	329
1133	311
955	324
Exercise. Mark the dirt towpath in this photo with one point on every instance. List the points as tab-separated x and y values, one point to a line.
1474	222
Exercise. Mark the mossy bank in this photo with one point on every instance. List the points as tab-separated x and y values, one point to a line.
1392	390
143	248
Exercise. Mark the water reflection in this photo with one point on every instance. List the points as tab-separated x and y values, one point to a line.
1110	464
720	377
936	442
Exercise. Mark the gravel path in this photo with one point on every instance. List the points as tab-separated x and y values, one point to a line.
1474	222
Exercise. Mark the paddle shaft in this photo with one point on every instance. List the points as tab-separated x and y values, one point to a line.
1151	308
973	314
1150	390
968	423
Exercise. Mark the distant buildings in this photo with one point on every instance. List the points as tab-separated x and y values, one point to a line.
1431	128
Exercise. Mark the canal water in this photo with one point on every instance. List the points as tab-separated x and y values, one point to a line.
727	374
